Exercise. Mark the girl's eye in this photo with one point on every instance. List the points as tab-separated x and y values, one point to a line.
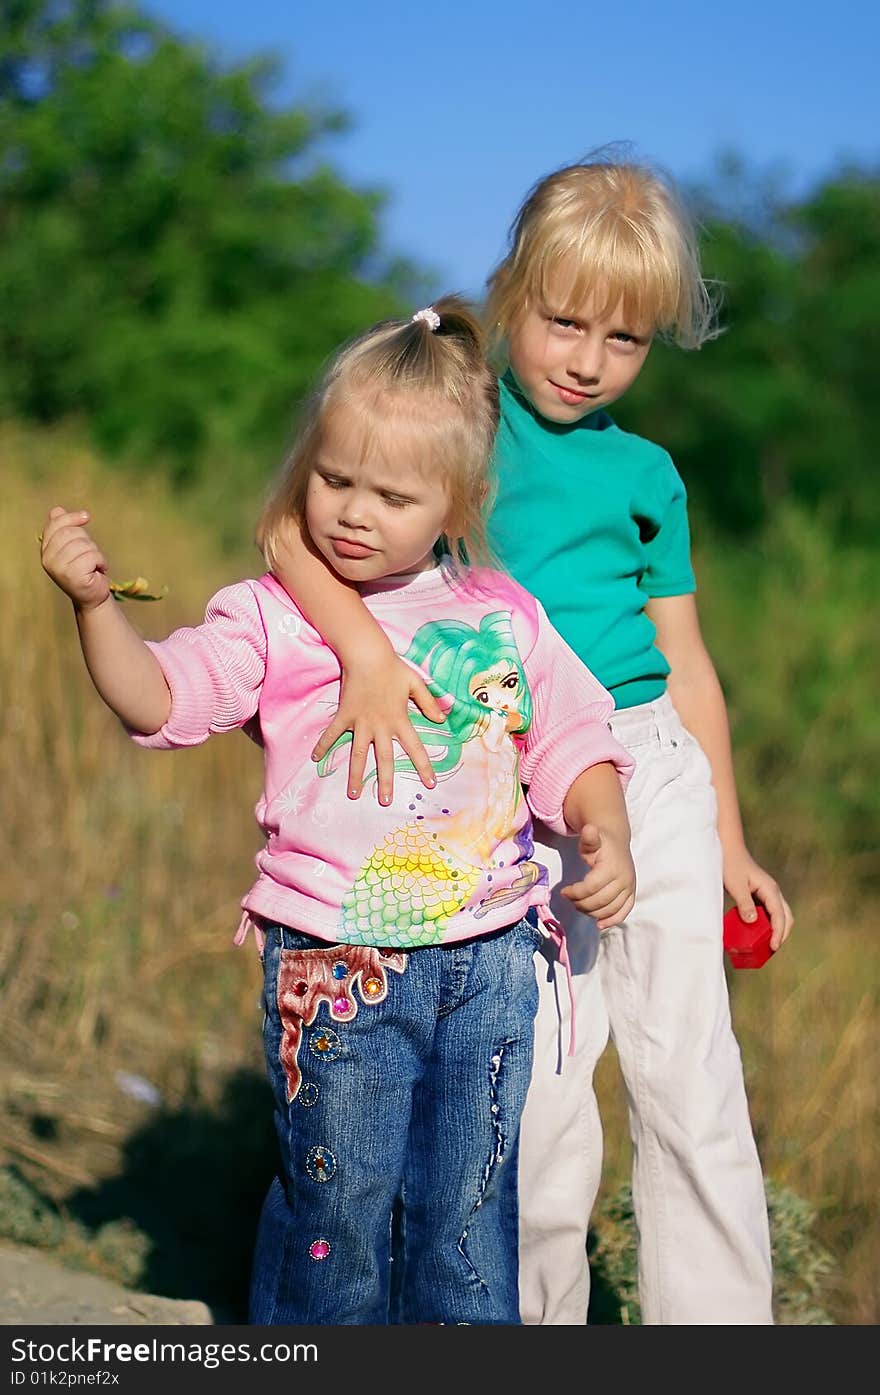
334	482
563	323
511	681
395	501
482	696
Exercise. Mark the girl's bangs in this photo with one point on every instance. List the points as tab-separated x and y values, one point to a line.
608	272
391	421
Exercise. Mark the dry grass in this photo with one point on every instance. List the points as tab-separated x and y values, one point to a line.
121	873
121	870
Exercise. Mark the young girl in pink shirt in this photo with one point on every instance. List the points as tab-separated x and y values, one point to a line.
397	934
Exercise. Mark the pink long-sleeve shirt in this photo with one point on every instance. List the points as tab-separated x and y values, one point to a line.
434	866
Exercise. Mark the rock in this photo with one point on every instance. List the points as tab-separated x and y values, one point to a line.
36	1289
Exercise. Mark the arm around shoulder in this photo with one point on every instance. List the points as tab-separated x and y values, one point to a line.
377	686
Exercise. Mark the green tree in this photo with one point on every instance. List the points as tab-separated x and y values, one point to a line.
176	261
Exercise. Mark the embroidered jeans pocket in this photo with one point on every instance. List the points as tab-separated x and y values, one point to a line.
338	975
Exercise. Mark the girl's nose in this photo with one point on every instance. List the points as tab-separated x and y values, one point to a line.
585	359
353	510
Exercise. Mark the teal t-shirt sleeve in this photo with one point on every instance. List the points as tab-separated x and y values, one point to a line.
668	551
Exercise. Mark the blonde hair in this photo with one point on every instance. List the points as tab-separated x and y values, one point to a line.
613	229
405	376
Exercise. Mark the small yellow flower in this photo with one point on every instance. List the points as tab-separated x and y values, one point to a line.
136	590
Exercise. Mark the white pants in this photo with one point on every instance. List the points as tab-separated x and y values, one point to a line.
657	983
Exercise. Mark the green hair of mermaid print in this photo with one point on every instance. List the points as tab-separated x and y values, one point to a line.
453	655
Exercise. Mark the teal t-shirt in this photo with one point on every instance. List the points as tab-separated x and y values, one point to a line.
593	520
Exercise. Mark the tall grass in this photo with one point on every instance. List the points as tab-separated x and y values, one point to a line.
121	870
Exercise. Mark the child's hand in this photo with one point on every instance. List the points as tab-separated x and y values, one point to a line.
746	882
373	707
608	892
73	560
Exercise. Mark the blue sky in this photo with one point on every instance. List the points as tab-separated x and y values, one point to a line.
457	108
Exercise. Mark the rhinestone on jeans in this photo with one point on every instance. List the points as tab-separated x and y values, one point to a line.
319	1249
308	1094
340	969
372	987
320	1164
341	1004
324	1044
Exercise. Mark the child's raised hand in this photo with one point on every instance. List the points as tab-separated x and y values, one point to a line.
73	560
608	892
746	883
373	706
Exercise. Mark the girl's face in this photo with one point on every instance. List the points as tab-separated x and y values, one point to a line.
372	509
571	365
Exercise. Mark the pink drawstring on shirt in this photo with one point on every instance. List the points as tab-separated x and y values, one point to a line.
244	925
557	935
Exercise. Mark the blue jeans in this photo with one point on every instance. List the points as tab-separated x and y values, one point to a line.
396	1075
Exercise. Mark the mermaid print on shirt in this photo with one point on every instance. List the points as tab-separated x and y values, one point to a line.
428	869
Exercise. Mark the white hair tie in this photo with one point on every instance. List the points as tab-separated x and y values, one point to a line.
429	316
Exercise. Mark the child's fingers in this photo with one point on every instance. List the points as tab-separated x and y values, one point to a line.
789	922
745	905
61	518
608	906
338	727
59	537
592	897
384	752
600	907
582	891
765	891
596	880
78	547
781	918
77	566
425	700
590	841
50	527
59	515
410	743
51	545
357	764
617	909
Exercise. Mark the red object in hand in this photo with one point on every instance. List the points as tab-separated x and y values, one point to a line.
747	941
